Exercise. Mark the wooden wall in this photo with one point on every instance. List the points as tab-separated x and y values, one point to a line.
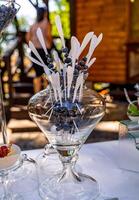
111	17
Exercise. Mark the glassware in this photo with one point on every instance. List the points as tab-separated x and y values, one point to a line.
5	171
67	127
133	116
128	146
8	10
17	184
25	178
7	165
48	163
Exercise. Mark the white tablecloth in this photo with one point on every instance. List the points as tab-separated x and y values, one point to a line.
100	160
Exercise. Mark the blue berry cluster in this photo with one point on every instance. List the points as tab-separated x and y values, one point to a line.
80	65
7	13
65	115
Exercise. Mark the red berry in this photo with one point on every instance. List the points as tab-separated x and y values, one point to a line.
4	150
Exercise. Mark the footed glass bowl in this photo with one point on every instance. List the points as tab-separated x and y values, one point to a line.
8	10
67	127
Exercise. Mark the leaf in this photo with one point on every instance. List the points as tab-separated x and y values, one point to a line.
133	110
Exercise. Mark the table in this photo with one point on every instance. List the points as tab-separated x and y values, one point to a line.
100	160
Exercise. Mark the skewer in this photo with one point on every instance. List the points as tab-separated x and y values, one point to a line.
69	79
41	40
75	126
41	64
69	67
57	60
127	96
77	86
91	62
60	30
75	47
86	40
94	43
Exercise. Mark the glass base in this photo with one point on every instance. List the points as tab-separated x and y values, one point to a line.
86	189
12	197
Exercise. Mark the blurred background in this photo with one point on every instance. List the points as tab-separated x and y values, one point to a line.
116	67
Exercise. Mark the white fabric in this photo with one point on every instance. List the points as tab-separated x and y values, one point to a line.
100	160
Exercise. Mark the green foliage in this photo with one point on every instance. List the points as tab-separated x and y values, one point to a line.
23	23
133	110
63	10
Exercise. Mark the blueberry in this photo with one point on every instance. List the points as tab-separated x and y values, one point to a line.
82	63
67	60
6	15
84	59
66	54
76	72
65	50
85	67
66	127
72	113
50	66
78	67
57	104
59	128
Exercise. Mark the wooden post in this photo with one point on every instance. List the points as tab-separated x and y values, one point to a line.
73	16
21	54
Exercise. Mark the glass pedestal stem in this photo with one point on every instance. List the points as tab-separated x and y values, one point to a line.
68	172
